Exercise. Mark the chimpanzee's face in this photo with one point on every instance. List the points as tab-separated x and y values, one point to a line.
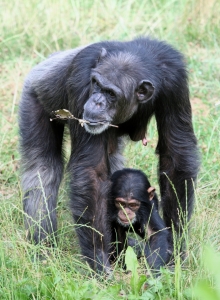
107	105
127	211
115	93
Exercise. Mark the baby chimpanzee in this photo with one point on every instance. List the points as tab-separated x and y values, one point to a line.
133	205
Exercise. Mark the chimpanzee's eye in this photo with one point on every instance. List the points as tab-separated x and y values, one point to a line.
111	93
134	206
120	204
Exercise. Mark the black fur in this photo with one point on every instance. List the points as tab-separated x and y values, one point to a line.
147	221
146	77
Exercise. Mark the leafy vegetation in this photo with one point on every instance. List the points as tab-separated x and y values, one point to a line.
31	30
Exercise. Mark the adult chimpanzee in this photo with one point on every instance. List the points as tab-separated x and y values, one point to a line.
122	83
133	205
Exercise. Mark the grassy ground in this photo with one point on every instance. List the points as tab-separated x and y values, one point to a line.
30	30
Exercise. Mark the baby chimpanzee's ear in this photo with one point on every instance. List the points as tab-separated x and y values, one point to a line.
151	191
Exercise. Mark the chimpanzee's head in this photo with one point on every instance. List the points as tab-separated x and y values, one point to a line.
131	196
118	87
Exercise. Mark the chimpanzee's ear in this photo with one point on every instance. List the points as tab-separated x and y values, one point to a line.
151	191
102	54
144	91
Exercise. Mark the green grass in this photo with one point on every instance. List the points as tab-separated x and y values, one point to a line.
31	30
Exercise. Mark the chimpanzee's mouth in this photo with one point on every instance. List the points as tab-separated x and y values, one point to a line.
126	222
123	223
97	123
96	127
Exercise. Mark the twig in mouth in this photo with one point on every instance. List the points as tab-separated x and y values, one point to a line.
65	114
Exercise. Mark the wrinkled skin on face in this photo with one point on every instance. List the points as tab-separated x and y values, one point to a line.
115	92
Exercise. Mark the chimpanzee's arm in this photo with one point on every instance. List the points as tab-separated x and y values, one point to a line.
156	247
118	240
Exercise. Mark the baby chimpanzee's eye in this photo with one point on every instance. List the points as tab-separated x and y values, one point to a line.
120	204
134	206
